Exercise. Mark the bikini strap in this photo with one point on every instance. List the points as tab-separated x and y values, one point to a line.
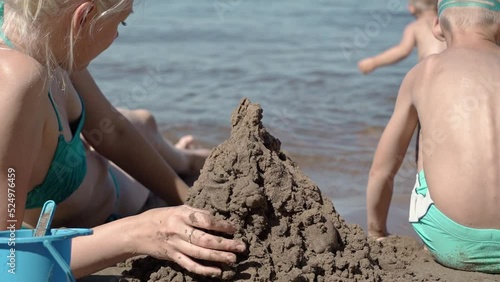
57	113
82	116
2	35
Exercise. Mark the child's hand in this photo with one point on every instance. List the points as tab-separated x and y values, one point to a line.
366	66
177	234
377	230
378	235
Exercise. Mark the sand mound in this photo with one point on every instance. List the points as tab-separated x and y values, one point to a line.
293	233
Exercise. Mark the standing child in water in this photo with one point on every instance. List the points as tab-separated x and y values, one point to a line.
417	34
48	100
454	94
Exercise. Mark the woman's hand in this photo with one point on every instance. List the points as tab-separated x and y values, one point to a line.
176	234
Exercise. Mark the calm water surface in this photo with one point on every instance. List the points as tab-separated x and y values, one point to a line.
191	61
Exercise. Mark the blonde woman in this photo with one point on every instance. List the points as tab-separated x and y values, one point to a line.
49	99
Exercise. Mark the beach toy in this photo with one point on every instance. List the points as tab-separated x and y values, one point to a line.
40	254
45	219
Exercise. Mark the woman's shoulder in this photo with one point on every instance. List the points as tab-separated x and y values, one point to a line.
21	75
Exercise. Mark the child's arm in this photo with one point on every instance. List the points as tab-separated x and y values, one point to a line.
388	158
113	136
392	55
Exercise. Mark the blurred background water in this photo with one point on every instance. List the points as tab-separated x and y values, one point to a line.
191	61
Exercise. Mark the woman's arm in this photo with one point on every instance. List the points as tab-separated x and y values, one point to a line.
113	136
23	95
388	157
166	233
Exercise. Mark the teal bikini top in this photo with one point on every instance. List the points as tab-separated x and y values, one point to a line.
69	165
67	170
493	5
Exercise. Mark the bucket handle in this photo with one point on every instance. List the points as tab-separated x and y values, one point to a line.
62	263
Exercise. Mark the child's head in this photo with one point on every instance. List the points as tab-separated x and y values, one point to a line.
417	7
66	33
462	15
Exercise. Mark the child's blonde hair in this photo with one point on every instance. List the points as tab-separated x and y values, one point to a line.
31	21
424	5
465	17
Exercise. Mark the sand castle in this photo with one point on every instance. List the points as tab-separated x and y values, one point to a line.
292	231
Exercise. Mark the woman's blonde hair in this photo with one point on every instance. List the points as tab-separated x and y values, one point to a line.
31	21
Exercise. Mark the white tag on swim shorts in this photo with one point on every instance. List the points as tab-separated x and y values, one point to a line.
419	204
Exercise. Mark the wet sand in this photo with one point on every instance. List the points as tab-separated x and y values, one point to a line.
293	232
403	259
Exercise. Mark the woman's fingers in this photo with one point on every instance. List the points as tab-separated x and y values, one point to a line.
202	253
208	241
176	234
194	267
203	219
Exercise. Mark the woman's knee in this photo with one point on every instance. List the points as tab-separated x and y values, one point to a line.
145	118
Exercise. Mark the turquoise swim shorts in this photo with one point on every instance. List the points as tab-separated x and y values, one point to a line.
453	245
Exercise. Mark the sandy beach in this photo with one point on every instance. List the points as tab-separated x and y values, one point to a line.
292	230
405	260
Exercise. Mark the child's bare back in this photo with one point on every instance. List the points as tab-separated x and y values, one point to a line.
458	110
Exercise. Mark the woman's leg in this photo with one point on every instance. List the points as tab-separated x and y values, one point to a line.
183	157
131	195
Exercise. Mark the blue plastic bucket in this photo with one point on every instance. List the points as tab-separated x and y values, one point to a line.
41	259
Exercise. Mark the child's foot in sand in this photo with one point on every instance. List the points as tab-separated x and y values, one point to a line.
195	156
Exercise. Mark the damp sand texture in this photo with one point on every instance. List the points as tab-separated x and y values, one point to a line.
292	231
